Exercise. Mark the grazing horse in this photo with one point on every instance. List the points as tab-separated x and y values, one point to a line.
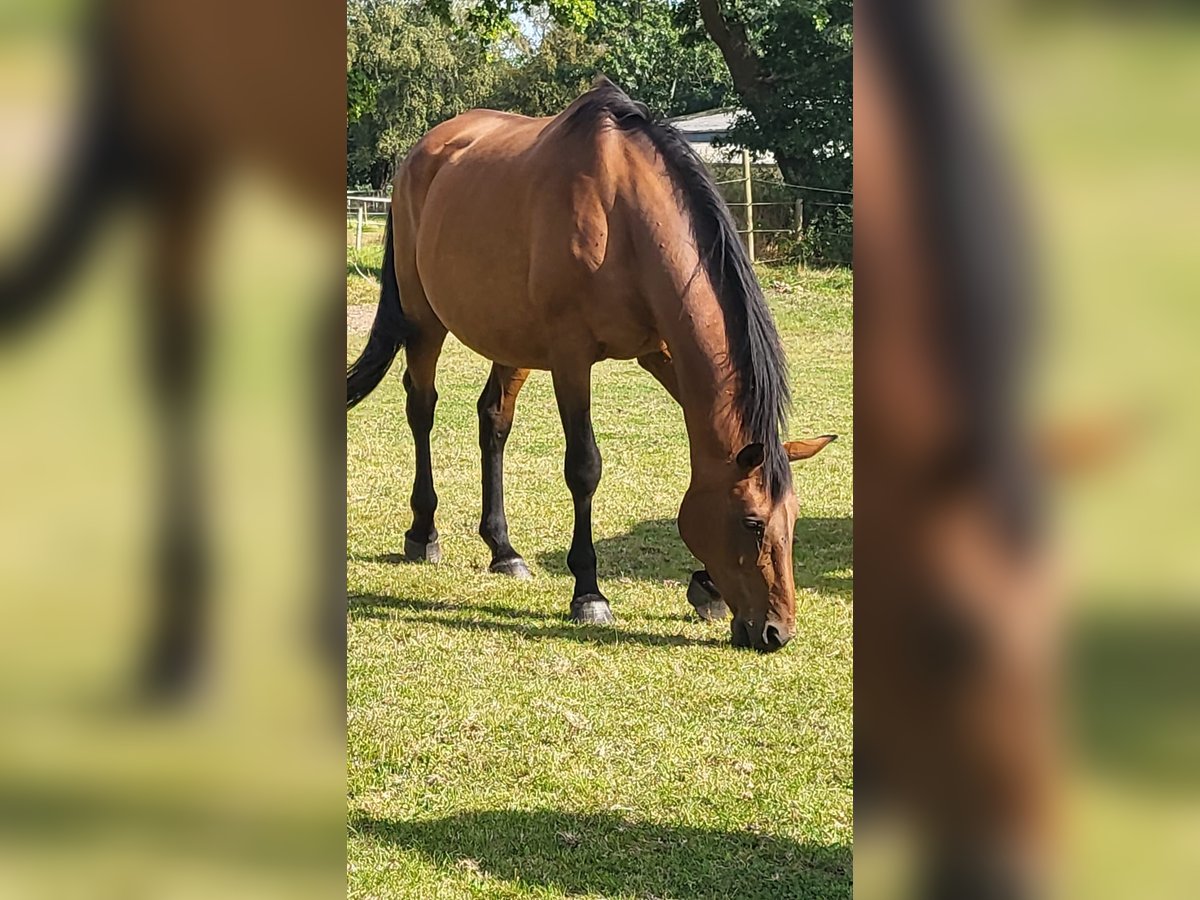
555	243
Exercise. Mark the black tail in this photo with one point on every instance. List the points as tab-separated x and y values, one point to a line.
98	173
388	333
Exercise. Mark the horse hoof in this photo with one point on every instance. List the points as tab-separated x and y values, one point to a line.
716	611
514	568
706	599
417	552
591	609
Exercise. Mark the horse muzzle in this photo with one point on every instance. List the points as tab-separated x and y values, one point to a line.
770	637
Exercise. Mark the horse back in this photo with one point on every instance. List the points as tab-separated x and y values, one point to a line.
525	234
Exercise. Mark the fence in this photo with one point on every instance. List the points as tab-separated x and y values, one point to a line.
358	217
771	214
772	226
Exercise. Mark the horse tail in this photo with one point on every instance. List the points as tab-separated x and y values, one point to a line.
98	172
389	331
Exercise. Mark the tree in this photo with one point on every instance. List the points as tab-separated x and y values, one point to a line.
636	43
649	54
406	71
541	80
792	65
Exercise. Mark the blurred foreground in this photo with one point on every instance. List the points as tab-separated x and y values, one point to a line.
172	712
1027	632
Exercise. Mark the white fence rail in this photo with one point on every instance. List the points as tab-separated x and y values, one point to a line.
357	209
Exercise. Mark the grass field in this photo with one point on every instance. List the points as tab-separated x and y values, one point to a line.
497	750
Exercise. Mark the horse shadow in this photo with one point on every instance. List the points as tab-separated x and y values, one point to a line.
653	551
1137	692
603	854
510	620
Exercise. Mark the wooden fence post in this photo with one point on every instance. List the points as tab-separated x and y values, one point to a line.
358	231
749	204
800	216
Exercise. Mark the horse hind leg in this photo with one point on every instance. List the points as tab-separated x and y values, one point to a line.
424	347
497	404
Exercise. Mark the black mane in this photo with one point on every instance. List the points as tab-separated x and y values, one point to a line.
762	396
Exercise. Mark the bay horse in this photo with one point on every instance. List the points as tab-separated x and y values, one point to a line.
558	242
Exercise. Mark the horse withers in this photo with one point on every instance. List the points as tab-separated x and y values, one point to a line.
555	243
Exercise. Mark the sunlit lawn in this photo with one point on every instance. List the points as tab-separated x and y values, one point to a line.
496	750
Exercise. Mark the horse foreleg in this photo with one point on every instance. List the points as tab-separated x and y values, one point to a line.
573	391
497	404
422	352
701	593
175	341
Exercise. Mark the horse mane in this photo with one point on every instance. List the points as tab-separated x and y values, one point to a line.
762	395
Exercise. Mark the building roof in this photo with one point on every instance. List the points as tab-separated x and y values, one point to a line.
703	129
710	120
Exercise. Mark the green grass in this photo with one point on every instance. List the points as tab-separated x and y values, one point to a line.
496	750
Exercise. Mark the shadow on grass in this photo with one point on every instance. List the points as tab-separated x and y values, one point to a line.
491	618
1137	688
607	855
390	559
80	808
372	605
653	551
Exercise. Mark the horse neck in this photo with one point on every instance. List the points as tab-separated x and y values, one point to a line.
693	325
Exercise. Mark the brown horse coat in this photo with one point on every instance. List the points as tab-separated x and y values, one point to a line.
553	244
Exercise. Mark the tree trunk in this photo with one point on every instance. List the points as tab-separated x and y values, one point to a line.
731	39
745	70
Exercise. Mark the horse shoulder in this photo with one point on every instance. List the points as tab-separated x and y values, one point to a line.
596	189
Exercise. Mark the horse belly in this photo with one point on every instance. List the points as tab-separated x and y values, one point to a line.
491	317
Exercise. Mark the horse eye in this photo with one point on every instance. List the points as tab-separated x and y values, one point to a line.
755	525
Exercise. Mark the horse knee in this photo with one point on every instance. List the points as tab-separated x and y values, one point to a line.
494	428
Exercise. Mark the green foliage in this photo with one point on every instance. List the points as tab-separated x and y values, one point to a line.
651	56
406	70
792	64
491	20
542	81
636	43
798	84
411	65
828	237
414	63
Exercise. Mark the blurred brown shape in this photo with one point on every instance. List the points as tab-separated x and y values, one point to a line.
954	623
197	212
180	97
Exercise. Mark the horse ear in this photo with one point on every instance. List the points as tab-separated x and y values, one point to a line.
809	447
751	457
1067	449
